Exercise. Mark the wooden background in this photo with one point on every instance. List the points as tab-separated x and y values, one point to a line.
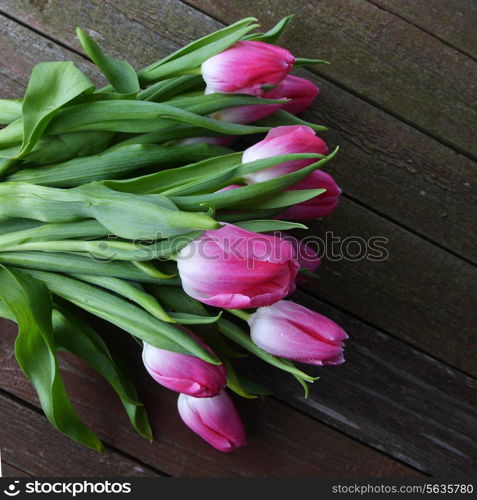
399	99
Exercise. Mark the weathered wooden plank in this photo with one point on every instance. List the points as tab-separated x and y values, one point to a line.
388	395
22	49
10	471
398	171
32	446
452	21
417	292
281	441
381	57
436	186
422	317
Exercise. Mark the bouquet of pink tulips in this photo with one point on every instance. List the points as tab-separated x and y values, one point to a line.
135	203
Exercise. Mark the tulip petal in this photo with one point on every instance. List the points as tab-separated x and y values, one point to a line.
184	373
214	419
287	139
246	67
235	268
292	331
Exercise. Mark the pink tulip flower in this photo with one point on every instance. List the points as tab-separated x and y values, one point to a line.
291	331
307	257
247	114
234	268
319	206
300	91
246	67
279	141
184	373
214	419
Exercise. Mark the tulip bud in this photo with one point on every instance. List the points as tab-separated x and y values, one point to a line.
297	94
300	91
291	331
247	114
308	259
246	67
184	373
234	268
214	419
319	206
279	141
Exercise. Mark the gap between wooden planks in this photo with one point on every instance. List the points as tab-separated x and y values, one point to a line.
454	25
381	58
429	188
424	278
31	446
281	441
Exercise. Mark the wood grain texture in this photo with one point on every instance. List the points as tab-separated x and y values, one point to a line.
390	396
281	441
408	285
21	49
398	171
9	471
419	293
452	21
31	446
430	189
381	57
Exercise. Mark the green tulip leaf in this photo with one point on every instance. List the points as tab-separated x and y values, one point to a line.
144	116
192	319
234	383
167	179
114	163
267	194
120	74
281	117
303	61
80	264
126	215
132	291
10	110
167	89
38	232
272	35
124	314
51	86
12	134
195	53
30	303
265	226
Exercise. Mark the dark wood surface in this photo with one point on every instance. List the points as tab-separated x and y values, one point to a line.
399	100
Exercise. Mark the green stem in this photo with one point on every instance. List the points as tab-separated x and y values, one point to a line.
308	273
192	71
151	270
239	313
5	165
